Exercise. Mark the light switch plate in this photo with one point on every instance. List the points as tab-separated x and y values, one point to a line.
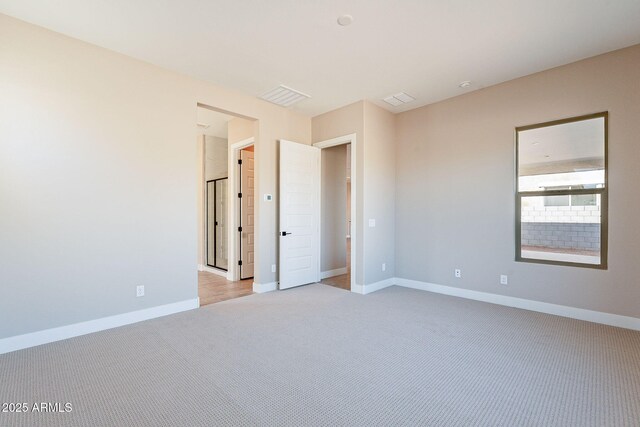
372	222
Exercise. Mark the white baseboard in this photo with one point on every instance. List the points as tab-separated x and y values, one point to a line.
331	273
372	287
261	288
217	271
33	339
539	306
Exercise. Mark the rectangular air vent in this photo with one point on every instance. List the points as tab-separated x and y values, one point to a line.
284	96
398	99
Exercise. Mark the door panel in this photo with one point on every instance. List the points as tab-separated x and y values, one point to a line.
299	214
247	220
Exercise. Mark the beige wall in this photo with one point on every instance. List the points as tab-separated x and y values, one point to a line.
455	185
375	182
241	129
379	192
333	253
216	163
99	179
340	122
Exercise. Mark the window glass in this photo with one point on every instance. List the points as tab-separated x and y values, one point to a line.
561	183
567	154
549	233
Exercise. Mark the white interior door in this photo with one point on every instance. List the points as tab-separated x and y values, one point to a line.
299	214
247	220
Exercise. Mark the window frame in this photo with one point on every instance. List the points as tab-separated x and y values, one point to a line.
603	192
571	203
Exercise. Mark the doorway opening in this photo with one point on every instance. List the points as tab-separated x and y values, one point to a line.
338	243
242	213
335	253
217	261
246	212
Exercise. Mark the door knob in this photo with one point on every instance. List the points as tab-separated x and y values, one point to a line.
284	233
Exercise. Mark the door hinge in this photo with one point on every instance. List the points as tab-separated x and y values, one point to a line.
240	195
239	161
240	262
239	228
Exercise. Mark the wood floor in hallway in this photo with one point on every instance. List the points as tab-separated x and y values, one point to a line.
342	281
213	288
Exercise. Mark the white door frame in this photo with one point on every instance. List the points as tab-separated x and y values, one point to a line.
341	140
233	188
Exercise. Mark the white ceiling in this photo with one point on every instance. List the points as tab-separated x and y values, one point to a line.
568	141
217	123
422	47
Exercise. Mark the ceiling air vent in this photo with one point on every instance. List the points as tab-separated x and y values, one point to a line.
399	99
284	96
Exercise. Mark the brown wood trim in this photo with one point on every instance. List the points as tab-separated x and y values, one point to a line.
564	263
540	193
603	114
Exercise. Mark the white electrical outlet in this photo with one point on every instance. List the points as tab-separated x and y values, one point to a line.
140	290
458	273
273	268
504	280
372	222
384	266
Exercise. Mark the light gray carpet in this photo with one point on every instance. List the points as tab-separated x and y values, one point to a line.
318	355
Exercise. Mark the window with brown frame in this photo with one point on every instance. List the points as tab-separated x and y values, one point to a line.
561	192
